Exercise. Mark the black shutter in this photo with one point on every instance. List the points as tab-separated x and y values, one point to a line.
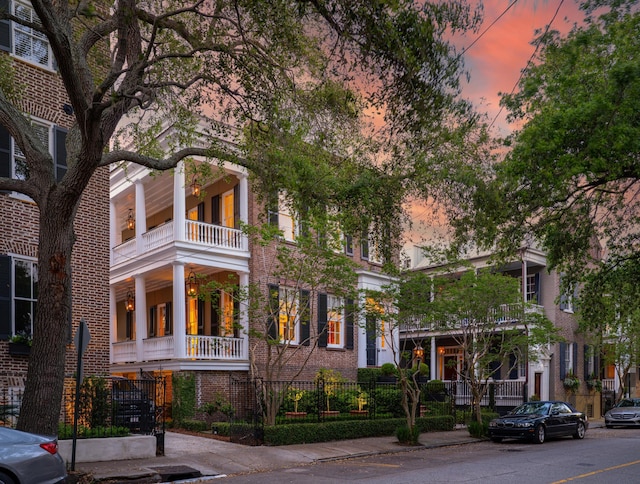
586	353
200	317
364	247
322	320
272	208
305	317
236	206
494	369
128	327
5	28
563	369
5	154
168	314
153	315
201	212
5	297
575	359
59	152
215	210
349	319
274	312
215	314
348	245
538	293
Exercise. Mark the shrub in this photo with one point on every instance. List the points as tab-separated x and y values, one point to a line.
194	425
406	435
65	431
478	429
387	400
388	369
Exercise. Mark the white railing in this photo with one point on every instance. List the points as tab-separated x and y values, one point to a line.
213	235
124	351
199	233
158	236
160	348
124	251
214	348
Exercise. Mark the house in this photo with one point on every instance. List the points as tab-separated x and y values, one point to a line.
44	100
172	233
543	377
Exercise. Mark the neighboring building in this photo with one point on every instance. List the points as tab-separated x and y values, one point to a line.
167	238
544	377
44	99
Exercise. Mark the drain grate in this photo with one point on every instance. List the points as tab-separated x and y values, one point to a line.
176	473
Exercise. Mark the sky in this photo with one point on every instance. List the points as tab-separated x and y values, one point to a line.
497	58
494	62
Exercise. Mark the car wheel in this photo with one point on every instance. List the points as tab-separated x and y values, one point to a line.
496	439
539	434
580	431
609	426
5	479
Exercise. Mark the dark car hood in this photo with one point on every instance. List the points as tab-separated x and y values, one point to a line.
515	418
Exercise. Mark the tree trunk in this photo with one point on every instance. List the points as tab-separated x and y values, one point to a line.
40	411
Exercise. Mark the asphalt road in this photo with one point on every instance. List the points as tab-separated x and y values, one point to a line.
604	456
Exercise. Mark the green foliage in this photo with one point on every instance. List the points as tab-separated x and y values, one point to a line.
302	433
367	376
194	425
184	398
65	432
387	400
408	435
219	404
94	402
481	429
388	369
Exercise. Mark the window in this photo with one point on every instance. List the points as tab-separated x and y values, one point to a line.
348	245
288	319
567	299
375	309
18	295
568	359
12	159
335	322
532	288
281	214
22	41
369	250
288	314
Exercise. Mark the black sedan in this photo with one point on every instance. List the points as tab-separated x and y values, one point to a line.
625	414
538	420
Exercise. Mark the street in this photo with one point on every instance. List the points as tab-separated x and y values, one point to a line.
604	456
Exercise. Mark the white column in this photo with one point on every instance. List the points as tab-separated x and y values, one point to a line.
545	380
244	205
141	217
524	279
113	230
244	315
179	205
434	362
140	316
113	327
179	311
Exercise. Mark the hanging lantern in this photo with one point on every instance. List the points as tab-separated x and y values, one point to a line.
131	221
191	285
195	187
130	303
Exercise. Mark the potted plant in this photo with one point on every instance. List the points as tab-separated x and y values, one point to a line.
295	395
388	373
422	373
20	344
594	383
360	400
571	382
330	380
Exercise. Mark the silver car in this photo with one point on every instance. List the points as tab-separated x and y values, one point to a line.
625	414
29	458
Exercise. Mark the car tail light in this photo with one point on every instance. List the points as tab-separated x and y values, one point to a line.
51	447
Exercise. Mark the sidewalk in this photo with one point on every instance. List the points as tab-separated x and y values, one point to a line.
215	458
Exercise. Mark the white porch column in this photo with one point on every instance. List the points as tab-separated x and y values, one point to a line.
179	310
113	230
244	205
141	217
434	362
140	316
545	379
524	279
244	315
113	326
179	209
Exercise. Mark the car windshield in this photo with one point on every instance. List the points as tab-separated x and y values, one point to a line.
538	408
629	403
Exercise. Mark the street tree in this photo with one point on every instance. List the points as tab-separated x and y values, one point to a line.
609	312
282	306
493	328
570	174
247	64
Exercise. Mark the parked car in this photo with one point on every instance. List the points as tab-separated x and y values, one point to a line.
132	406
27	458
625	414
538	420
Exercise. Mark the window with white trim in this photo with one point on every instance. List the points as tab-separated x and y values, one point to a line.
27	42
18	295
283	217
335	322
288	330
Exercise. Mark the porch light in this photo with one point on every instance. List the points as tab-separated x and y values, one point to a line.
418	353
130	303
441	350
131	221
195	187
192	285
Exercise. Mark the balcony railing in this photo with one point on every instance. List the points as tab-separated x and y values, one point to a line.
507	313
199	233
197	347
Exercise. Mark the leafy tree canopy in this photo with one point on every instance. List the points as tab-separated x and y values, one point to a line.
571	174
